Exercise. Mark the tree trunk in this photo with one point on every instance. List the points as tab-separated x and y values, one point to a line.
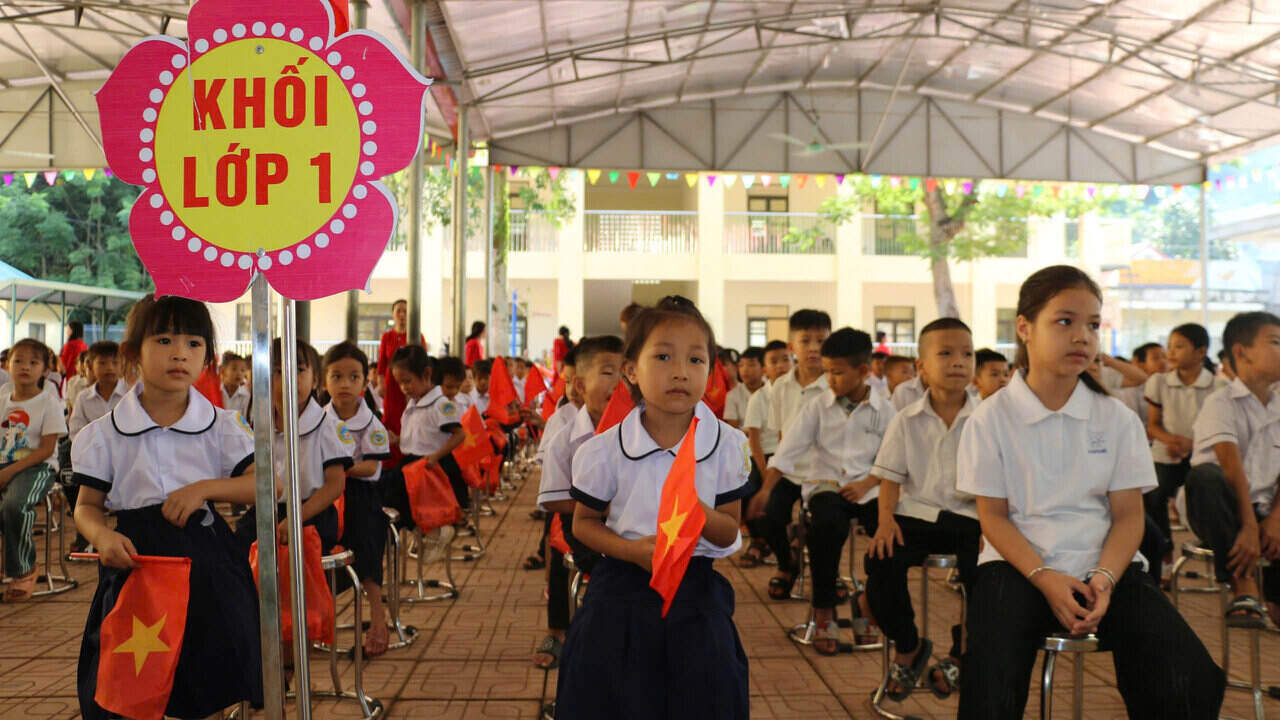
500	333
944	293
942	228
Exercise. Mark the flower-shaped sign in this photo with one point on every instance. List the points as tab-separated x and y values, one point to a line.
260	145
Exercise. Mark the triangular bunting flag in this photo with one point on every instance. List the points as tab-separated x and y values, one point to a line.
30	178
89	173
765	180
801	179
691	179
711	180
51	177
593	176
554	172
633	178
748	181
820	180
654	178
784	180
613	176
680	521
730	179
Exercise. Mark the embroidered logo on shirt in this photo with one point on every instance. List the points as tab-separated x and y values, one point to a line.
1097	443
378	437
344	434
244	424
746	457
448	409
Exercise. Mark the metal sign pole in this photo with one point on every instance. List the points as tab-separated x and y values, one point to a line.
265	504
289	423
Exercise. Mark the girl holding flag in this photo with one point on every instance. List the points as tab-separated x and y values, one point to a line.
159	461
659	517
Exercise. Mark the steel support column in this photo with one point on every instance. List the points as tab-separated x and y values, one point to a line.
418	49
460	235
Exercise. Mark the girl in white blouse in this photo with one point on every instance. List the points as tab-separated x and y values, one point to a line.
1058	468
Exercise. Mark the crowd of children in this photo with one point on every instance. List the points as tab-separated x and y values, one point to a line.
1051	479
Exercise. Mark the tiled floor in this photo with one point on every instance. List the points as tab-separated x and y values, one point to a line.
472	658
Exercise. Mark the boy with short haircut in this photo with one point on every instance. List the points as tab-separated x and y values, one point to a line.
599	370
103	396
911	389
568	407
235	395
991	372
777	497
480	371
1231	489
520	372
897	370
763	441
1151	358
750	370
920	511
840	428
878	381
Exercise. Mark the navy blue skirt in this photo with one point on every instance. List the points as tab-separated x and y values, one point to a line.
622	660
365	528
220	663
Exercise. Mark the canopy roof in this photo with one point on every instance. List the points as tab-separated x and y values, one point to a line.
1119	90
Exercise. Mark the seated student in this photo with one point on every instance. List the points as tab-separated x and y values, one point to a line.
324	454
562	417
776	500
878	381
364	524
33	420
431	426
78	382
897	370
519	371
921	512
1174	399
103	360
909	390
480	395
763	441
598	363
1231	488
750	370
842	428
235	394
991	373
1058	468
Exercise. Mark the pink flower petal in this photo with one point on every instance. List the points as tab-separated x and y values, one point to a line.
212	23
347	259
134	89
175	268
393	92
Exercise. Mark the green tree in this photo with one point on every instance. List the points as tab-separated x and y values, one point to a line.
549	197
1171	225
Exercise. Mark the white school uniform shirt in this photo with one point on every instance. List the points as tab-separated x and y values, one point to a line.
238	401
735	403
560	419
758	417
557	464
137	463
481	402
842	445
90	406
75	386
369	436
879	384
623	470
786	399
1055	469
1234	414
323	441
24	424
1179	405
919	453
907	392
518	383
427	424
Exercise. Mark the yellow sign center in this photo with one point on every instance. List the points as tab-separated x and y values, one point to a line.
256	145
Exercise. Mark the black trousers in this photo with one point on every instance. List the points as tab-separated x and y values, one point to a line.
1169	477
777	516
759	528
1162	669
829	518
887	590
584	558
1213	514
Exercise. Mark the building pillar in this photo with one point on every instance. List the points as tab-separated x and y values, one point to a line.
570	306
849	267
711	255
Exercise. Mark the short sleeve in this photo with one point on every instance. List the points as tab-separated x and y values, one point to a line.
1215	423
755	415
798	439
891	461
79	418
557	465
595	482
735	408
91	456
734	481
1154	390
337	444
235	443
53	420
979	463
375	445
448	415
1133	468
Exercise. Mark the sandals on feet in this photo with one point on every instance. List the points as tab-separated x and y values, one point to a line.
780	587
947	672
754	556
551	646
1246	611
21	588
827	631
907	677
533	562
863	625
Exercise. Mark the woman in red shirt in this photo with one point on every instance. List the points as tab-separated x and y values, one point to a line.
559	349
475	344
393	401
72	348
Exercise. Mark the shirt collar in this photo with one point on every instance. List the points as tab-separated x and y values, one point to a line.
637	444
429	399
923	405
582	426
1033	411
311	418
1240	390
121	389
1203	380
129	418
359	421
790	378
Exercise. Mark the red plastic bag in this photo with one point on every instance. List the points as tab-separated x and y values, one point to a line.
431	497
341	506
320	618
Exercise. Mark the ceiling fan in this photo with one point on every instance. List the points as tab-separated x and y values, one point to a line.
815	146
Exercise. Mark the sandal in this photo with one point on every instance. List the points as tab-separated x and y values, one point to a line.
947	672
827	631
533	562
21	588
1245	611
863	624
842	592
780	587
754	556
551	646
908	677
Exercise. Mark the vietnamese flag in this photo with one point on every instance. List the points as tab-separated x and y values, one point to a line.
620	403
556	537
502	392
680	522
341	16
717	389
534	386
476	447
141	638
210	386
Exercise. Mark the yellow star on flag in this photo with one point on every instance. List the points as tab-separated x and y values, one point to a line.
144	641
671	527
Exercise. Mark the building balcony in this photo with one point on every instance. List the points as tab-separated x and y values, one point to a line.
777	233
638	231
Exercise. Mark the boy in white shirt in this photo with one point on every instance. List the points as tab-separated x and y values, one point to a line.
877	380
897	370
235	394
920	511
991	372
776	499
763	441
1231	489
750	370
842	428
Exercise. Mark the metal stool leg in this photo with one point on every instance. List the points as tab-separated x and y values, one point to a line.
445	553
405	634
1046	684
1053	646
54	584
879	695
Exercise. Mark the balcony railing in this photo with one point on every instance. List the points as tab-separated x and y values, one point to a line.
766	233
635	231
530	233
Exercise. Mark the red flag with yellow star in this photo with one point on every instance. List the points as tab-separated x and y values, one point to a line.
680	522
502	392
476	446
534	386
717	389
141	638
620	403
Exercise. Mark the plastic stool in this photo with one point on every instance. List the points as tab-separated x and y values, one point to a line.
54	584
441	540
940	562
1053	646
